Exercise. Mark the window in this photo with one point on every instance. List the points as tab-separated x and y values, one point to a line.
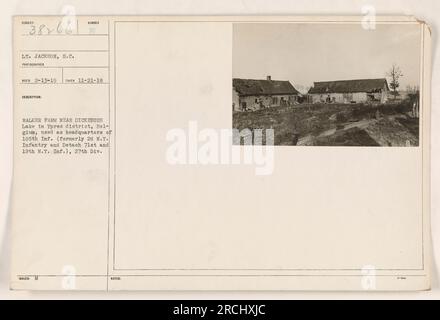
274	100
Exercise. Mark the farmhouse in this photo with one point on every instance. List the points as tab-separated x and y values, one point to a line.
250	94
349	91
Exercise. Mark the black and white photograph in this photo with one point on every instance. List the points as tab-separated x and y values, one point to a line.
327	84
131	170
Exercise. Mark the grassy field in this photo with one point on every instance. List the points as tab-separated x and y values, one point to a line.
335	124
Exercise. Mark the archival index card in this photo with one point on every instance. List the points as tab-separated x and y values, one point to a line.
221	153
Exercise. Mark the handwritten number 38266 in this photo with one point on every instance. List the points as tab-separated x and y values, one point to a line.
43	29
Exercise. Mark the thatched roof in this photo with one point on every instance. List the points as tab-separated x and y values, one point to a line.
251	87
349	86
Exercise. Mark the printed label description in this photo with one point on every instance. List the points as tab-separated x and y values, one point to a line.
64	136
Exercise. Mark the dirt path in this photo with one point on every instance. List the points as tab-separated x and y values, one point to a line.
362	124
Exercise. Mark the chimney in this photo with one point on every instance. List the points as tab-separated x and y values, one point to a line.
269	78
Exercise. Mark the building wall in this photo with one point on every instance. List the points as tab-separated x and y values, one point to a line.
235	101
257	102
384	95
357	97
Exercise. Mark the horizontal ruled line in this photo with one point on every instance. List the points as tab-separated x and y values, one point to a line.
225	275
56	50
67	83
64	35
67	67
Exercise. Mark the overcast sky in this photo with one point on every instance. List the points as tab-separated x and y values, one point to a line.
303	53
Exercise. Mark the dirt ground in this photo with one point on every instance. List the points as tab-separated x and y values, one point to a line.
336	124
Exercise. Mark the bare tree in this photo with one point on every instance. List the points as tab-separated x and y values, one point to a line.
394	74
